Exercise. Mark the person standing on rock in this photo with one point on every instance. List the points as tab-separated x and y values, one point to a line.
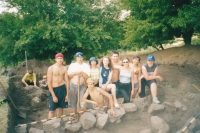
115	74
149	76
78	72
29	78
58	84
97	97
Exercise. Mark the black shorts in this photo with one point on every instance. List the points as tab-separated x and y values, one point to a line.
60	93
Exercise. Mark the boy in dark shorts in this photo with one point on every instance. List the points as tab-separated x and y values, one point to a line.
58	84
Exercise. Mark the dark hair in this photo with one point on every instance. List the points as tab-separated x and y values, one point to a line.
115	52
30	71
110	63
136	56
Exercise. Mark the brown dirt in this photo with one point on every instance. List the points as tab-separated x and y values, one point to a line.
180	69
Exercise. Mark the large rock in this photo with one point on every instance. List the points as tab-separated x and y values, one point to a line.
36	102
118	114
141	103
129	107
53	126
21	129
146	131
178	105
74	127
159	124
155	108
35	130
102	120
87	120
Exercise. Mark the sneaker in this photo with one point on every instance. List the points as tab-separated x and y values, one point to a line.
155	100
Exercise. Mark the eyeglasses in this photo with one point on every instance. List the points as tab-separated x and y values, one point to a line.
125	62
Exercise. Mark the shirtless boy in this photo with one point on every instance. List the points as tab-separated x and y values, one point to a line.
116	63
78	71
58	85
97	97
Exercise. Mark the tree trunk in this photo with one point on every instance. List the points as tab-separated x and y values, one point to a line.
187	36
156	48
161	46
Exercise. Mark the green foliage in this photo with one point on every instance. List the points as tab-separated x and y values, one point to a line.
195	41
155	22
69	26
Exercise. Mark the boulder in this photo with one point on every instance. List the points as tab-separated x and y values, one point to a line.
129	107
35	130
102	120
87	120
53	126
159	124
141	103
118	114
155	108
74	127
145	131
178	105
36	102
21	129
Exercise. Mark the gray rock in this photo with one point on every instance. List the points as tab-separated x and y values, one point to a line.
53	126
102	120
35	102
178	105
35	130
129	107
118	114
74	127
159	124
118	121
87	120
141	103
145	131
155	108
197	131
162	131
21	129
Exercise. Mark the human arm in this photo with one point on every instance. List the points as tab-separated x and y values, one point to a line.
108	81
34	79
151	77
67	85
84	99
24	78
112	112
49	80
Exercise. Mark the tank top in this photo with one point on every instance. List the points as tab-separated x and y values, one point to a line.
125	77
94	73
104	74
150	70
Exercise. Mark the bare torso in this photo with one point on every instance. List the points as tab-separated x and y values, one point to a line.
115	75
58	75
96	96
74	80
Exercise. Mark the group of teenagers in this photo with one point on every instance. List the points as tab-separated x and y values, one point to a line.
99	83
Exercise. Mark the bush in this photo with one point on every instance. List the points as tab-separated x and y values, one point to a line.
195	41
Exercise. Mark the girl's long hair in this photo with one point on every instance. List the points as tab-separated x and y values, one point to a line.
109	64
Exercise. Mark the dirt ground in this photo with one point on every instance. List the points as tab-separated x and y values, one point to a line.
180	68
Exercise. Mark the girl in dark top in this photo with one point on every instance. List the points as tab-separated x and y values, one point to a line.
105	78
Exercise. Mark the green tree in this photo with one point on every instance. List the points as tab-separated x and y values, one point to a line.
155	22
52	26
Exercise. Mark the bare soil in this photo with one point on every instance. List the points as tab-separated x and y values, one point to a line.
180	68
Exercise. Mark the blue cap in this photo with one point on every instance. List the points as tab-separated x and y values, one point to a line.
93	59
78	54
150	57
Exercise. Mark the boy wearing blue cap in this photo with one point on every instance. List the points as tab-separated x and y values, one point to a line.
149	76
78	72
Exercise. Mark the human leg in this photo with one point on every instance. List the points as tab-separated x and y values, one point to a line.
143	84
112	87
59	112
135	89
124	92
51	114
73	97
153	87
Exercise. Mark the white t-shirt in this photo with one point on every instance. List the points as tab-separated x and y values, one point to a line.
74	67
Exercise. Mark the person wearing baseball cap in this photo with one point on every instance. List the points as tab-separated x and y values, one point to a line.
97	97
78	72
58	84
149	76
